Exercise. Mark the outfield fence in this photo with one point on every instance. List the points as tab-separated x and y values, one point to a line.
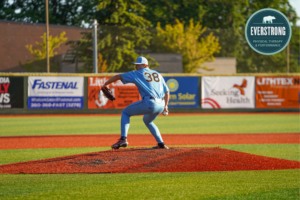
47	93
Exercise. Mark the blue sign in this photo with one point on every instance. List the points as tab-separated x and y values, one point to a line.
55	92
55	102
183	92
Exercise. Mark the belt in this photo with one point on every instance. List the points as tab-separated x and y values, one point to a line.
154	98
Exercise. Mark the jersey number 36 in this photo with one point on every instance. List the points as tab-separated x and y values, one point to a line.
150	77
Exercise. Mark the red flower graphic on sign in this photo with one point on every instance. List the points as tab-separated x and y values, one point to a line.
241	87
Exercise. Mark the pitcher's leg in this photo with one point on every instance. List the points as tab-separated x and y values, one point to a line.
136	108
148	120
125	123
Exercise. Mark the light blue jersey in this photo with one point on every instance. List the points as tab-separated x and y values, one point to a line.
152	88
149	82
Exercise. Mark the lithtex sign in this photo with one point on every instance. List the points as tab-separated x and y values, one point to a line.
125	94
228	92
55	92
277	92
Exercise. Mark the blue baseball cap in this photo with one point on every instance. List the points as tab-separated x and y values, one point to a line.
141	60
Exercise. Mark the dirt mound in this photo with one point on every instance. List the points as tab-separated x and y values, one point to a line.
151	160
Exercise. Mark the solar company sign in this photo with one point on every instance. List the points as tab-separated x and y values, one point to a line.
55	92
183	92
268	31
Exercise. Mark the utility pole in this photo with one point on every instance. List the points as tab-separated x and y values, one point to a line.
288	49
47	36
288	58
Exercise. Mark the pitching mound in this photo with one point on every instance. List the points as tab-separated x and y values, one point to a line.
151	160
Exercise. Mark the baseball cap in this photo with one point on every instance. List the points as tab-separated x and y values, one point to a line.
141	60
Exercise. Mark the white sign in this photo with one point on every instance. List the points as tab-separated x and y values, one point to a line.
46	92
228	92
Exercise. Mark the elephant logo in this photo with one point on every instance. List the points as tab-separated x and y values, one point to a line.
268	20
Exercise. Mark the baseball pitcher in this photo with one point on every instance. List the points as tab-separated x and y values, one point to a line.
155	98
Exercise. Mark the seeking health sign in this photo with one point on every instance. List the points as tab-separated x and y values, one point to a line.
55	92
228	92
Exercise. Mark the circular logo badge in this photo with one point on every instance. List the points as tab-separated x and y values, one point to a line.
268	31
172	85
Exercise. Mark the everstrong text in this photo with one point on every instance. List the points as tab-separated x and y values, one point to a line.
257	30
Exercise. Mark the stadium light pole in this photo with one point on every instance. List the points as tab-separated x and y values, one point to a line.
47	36
95	46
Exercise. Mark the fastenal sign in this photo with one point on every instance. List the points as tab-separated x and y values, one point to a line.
55	92
268	31
228	92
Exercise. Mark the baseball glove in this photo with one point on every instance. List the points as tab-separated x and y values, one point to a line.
106	91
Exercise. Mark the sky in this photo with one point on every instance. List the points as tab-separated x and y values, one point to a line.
296	6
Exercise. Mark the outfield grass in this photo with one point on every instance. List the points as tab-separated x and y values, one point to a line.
279	184
254	123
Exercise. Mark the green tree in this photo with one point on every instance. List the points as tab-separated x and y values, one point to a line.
250	61
67	12
210	13
120	33
39	52
188	41
227	19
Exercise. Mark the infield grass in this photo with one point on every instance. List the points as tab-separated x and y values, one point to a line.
253	123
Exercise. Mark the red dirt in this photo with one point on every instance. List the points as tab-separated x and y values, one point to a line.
170	114
32	142
150	160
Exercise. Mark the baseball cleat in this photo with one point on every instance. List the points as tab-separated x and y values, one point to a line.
120	143
159	147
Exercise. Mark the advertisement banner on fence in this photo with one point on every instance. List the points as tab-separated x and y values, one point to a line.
125	94
183	92
228	92
277	92
11	92
47	92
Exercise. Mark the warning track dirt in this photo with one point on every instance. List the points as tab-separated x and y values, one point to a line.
64	141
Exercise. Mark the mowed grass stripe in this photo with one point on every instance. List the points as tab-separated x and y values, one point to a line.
195	185
284	151
254	123
290	193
